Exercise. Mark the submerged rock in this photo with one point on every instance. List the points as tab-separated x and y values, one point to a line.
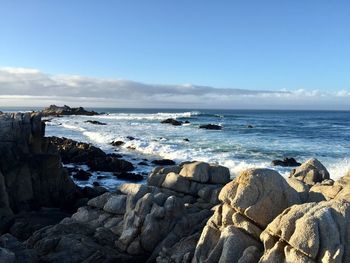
211	127
163	162
54	110
172	122
117	143
95	122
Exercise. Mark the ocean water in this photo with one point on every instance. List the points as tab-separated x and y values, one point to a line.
324	135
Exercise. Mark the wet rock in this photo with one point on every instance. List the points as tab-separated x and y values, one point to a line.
54	110
130	138
163	162
186	140
211	127
129	176
95	122
82	175
250	126
117	143
172	122
290	162
143	163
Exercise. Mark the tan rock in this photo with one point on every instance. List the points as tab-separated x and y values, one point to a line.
310	172
309	232
259	194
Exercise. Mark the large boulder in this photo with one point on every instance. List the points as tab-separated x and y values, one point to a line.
259	194
310	172
312	232
249	203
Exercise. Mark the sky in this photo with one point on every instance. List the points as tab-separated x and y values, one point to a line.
179	54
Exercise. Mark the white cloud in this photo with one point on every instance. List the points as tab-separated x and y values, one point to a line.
31	87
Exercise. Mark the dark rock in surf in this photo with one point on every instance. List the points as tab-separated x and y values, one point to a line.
117	143
289	162
83	153
81	175
95	122
186	140
163	162
172	122
54	110
143	163
211	127
250	126
130	138
129	176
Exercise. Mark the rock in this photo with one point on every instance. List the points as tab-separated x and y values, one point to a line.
26	223
82	175
83	153
309	233
172	122
129	176
196	171
186	140
259	194
117	143
7	256
211	127
96	183
163	162
286	162
250	126
31	174
54	110
95	122
13	246
130	138
116	204
310	172
143	163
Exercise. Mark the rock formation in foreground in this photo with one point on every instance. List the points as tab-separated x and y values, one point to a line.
54	110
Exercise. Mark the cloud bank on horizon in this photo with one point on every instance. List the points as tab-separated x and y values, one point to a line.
31	87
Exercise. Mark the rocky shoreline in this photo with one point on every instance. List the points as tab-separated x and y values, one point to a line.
191	212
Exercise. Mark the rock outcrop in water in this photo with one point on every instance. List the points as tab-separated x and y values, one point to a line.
54	110
190	212
84	153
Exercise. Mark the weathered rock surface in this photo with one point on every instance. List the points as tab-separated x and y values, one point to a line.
310	172
313	232
137	223
54	110
249	204
31	173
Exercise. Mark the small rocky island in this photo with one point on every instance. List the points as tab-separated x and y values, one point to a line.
191	212
54	110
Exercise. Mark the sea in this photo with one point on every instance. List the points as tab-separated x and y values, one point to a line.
248	139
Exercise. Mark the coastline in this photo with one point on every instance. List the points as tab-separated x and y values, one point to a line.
188	212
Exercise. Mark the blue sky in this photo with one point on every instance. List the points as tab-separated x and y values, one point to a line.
257	45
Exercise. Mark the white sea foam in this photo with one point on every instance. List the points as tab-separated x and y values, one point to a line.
145	116
338	169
